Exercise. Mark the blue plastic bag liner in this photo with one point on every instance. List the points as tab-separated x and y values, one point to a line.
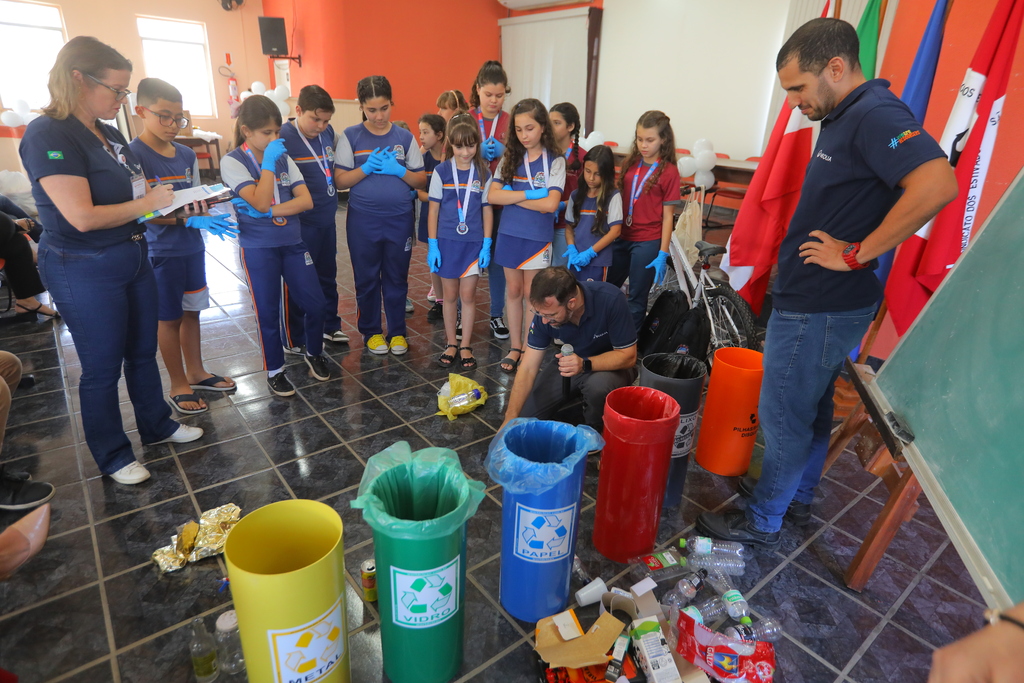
531	456
417	496
541	465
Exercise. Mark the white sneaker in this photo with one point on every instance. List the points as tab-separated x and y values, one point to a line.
338	337
409	307
183	434
431	297
295	350
131	474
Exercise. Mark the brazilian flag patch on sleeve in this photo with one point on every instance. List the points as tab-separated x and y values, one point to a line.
55	155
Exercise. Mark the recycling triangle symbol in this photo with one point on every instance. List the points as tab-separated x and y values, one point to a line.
545	532
431	592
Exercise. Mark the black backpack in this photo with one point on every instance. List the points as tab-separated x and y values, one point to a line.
673	327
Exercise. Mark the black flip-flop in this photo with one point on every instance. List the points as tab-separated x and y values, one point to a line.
466	363
210	384
25	309
507	360
187	398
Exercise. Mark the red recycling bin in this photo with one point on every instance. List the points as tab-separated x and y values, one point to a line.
640	425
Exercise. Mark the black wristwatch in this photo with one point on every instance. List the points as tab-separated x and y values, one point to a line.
587	366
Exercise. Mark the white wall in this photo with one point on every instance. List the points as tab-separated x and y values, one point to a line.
709	65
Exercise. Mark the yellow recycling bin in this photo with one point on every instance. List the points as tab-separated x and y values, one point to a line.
286	563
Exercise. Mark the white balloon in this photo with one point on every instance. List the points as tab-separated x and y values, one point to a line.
259	88
244	95
595	138
272	94
283	92
21	108
687	166
11	118
701	145
704	179
32	116
285	109
705	159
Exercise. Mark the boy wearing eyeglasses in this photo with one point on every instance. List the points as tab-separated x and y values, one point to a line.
176	250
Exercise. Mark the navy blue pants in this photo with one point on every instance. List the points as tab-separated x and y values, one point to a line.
264	268
107	296
381	249
322	243
630	259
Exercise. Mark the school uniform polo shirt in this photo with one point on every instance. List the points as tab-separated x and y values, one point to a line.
447	193
311	160
527	224
181	172
606	323
379	194
867	145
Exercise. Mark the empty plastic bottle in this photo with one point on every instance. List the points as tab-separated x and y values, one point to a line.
691	583
579	572
204	652
706	611
659	566
702	545
766	629
229	644
734	601
464	399
724	563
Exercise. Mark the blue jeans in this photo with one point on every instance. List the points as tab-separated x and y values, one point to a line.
108	299
631	259
803	355
558	247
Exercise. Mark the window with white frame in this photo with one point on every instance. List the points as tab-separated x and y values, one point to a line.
177	52
28	29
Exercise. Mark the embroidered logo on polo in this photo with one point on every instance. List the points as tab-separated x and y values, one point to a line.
476	186
538	179
399	153
285	180
903	137
822	155
330	154
188	177
55	155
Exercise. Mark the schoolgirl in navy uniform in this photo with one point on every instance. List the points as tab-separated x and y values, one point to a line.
379	163
432	144
650	190
565	124
270	195
532	176
486	99
594	212
460	224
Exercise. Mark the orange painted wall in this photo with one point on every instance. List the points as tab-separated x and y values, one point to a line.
434	47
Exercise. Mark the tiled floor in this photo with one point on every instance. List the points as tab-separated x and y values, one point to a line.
91	608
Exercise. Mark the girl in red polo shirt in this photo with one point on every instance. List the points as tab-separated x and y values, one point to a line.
650	189
565	124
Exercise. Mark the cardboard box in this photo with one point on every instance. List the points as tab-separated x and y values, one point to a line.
559	644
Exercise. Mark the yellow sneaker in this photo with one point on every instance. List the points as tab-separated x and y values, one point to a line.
377	345
398	345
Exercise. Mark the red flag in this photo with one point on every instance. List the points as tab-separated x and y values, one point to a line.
774	192
923	260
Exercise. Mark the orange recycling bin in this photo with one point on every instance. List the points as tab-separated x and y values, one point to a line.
729	426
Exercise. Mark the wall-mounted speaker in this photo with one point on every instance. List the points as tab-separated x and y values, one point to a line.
272	36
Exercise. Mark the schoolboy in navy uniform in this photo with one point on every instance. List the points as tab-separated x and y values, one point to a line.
312	143
176	252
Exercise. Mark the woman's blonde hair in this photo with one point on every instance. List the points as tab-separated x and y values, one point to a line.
88	56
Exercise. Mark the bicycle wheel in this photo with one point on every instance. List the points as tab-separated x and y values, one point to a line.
732	321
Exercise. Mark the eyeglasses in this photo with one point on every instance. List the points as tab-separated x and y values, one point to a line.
118	94
166	120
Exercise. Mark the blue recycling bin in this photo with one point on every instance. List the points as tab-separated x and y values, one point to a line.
540	466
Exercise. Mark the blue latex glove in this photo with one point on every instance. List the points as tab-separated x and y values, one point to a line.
487	150
215	225
497	149
659	266
538	193
274	151
571	253
373	163
242	206
584	258
391	166
433	256
507	187
561	207
484	259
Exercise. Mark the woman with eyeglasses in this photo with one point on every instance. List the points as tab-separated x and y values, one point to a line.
90	192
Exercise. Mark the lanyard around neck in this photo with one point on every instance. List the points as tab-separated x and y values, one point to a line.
638	188
322	163
544	161
469	189
494	124
259	167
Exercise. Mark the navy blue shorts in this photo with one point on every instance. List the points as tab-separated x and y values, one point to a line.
459	259
521	254
180	284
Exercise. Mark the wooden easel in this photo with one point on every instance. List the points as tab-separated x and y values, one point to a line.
880	452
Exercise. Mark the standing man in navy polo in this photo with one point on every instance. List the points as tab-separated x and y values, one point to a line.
594	318
875	178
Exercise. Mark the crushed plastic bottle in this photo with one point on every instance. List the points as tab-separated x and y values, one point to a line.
691	583
579	572
724	563
766	629
734	601
702	545
704	612
660	566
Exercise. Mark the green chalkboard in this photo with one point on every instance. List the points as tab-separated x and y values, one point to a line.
957	380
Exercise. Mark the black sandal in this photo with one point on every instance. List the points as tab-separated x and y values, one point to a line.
467	363
508	360
447	359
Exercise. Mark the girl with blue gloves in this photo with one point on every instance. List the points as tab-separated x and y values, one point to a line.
459	226
650	189
532	175
379	163
594	214
270	195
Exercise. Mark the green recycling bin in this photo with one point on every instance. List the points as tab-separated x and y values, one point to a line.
417	505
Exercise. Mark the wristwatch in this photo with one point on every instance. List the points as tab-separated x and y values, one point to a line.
850	256
587	366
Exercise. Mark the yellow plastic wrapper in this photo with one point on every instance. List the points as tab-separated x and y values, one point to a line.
458	387
195	542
